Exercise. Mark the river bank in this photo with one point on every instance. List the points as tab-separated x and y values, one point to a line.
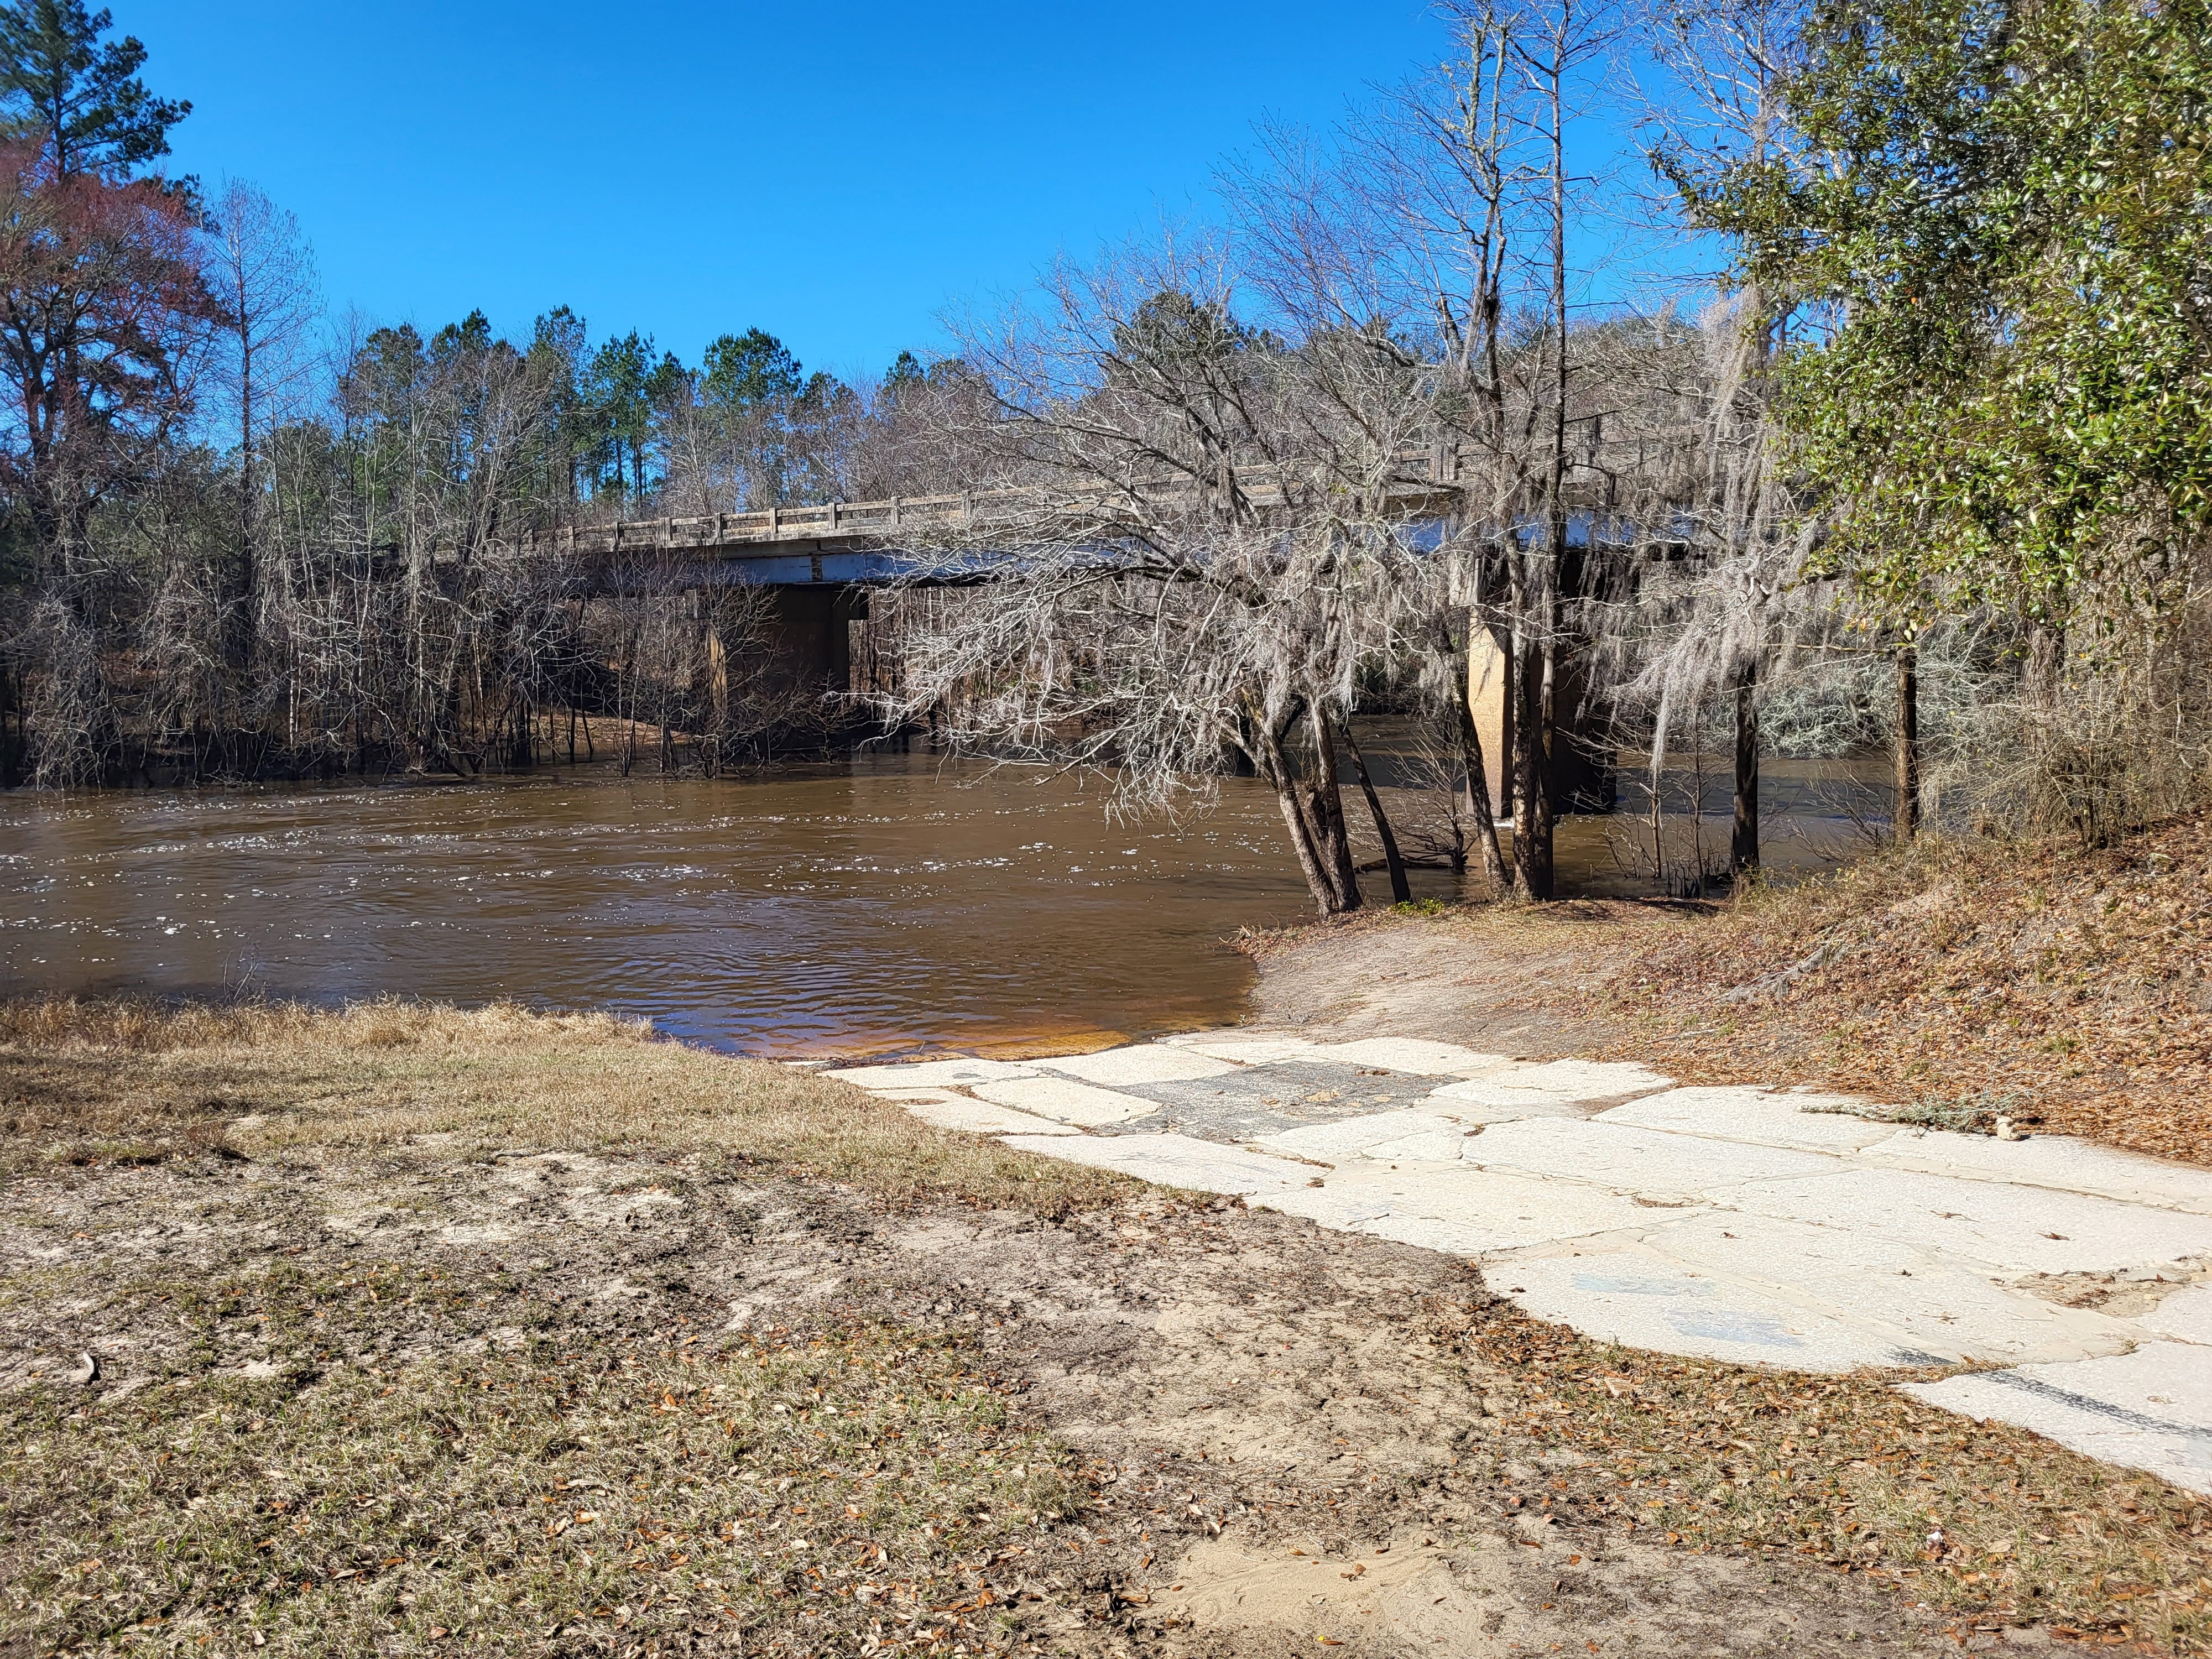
2068	988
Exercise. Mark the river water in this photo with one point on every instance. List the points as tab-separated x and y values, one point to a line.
887	903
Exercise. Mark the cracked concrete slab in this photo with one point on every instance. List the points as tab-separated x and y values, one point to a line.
2055	1161
2150	1409
1559	1082
1328	1143
1918	1299
1259	1048
1142	1062
1251	1102
917	1095
2185	1316
1464	1212
930	1073
1412	1055
2031	1229
1424	1145
1173	1160
1647	1301
980	1117
1648	1161
1765	1118
1739	1224
1065	1102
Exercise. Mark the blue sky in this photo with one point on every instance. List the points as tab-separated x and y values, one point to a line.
837	174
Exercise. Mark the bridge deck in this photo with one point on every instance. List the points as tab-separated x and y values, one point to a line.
858	541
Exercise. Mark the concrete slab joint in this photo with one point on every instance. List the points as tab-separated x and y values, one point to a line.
1758	1225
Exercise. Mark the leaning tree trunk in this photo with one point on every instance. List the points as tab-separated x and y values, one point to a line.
1401	891
1268	757
1743	842
1328	812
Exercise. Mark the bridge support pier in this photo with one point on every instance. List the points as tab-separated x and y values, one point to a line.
1582	769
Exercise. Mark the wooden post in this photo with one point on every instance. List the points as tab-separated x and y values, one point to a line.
774	520
833	515
1907	820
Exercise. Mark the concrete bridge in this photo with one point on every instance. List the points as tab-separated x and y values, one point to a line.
818	563
842	542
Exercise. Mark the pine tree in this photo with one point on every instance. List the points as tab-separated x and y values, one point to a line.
79	96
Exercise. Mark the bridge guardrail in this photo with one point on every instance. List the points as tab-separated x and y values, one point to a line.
774	525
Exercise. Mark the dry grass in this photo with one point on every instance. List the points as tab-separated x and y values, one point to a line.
579	1490
1995	1524
438	1452
128	1082
1958	979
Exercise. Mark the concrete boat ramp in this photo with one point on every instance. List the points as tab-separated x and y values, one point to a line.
1773	1227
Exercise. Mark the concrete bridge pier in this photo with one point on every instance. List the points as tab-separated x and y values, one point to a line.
1583	775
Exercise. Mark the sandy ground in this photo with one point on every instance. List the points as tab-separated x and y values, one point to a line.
1278	1453
1496	984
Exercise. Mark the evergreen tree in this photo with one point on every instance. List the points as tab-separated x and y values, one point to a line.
79	96
2012	400
749	370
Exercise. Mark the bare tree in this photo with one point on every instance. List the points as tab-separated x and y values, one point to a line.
263	273
1189	556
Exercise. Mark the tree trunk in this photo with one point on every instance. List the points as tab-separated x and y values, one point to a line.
1532	815
1532	804
1401	891
1743	843
1907	820
1275	765
1328	812
245	622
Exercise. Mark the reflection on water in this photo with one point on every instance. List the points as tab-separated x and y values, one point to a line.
890	902
1813	816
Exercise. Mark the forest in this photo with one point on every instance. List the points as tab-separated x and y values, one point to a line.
1912	452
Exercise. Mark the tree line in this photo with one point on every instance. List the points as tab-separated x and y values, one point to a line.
1920	460
241	539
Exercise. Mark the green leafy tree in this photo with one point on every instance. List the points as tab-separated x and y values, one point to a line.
2002	211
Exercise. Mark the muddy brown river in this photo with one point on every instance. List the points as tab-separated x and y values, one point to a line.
887	903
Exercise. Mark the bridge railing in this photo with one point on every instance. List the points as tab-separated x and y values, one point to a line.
840	519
